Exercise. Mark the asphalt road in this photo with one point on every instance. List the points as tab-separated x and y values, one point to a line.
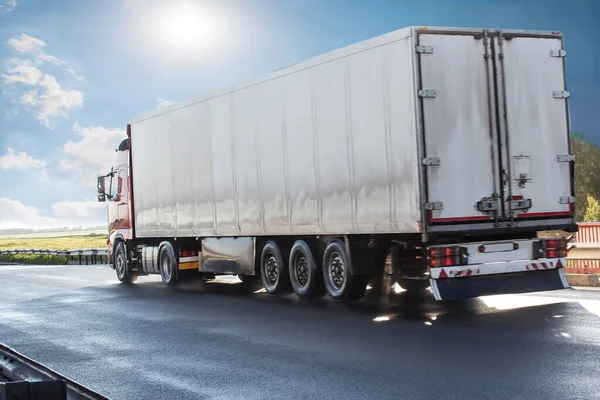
223	341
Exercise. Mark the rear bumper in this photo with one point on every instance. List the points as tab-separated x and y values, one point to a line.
462	282
504	267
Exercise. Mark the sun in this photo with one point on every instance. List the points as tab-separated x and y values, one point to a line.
184	26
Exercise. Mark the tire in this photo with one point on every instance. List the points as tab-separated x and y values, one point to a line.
339	282
273	272
413	285
167	264
121	265
303	269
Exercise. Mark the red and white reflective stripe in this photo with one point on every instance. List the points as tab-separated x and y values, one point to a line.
496	268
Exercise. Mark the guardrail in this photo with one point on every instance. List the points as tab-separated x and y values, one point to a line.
584	251
24	378
77	256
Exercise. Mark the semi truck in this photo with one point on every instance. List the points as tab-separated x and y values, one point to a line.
427	155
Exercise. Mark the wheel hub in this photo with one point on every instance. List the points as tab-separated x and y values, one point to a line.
272	270
166	268
301	270
337	272
120	265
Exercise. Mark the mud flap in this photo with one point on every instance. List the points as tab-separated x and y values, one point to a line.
518	282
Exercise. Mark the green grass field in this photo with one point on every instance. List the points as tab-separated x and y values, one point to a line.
48	243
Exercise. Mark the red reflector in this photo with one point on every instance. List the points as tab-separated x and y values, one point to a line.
556	253
555	243
187	253
107	242
443	251
447	261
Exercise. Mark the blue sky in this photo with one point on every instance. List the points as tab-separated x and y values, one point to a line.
73	73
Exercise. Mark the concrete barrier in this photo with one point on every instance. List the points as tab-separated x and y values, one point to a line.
583	279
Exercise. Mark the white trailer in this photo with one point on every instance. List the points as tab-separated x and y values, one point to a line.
442	150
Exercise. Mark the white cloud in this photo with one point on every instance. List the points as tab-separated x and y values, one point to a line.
47	99
79	210
26	44
50	100
72	72
50	58
22	71
162	102
17	215
14	214
92	154
12	159
7	6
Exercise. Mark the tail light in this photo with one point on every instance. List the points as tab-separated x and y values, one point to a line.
446	256
550	248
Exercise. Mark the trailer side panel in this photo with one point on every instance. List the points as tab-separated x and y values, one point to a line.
326	147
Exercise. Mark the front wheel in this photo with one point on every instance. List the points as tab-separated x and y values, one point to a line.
121	267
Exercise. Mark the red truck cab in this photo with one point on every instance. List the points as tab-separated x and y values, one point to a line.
117	191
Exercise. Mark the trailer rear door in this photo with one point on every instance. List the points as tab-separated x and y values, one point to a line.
458	126
495	127
532	82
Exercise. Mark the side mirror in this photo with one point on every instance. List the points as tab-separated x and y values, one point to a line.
101	188
101	198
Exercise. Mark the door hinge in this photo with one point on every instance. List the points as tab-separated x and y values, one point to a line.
488	205
565	157
561	94
436	205
427	93
431	161
566	199
522	204
422	49
558	53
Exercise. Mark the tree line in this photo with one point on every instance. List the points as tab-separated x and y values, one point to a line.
587	179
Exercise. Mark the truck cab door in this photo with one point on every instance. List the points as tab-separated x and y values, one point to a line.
122	198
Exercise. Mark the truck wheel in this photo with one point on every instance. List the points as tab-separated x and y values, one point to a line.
120	262
167	264
340	284
273	272
303	269
413	285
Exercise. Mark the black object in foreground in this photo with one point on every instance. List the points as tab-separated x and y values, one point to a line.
22	378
